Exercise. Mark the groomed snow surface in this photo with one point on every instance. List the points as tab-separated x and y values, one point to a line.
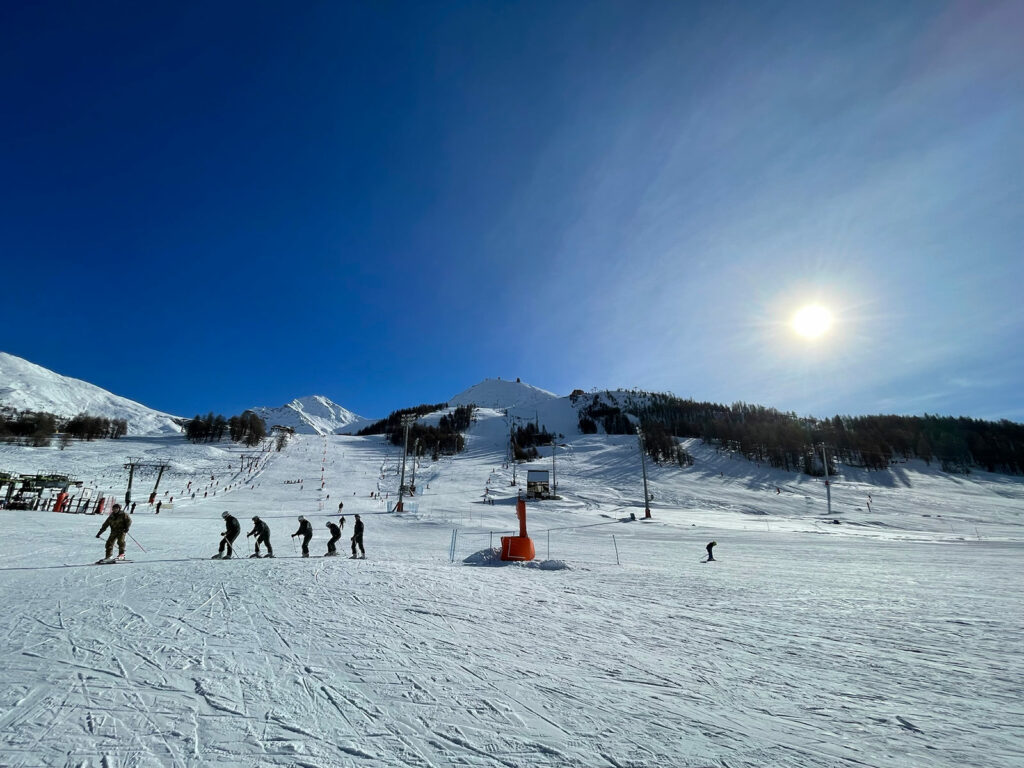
891	639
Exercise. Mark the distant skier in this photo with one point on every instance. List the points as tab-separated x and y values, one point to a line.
118	522
306	532
711	557
262	533
357	539
341	523
227	539
335	535
158	505
341	505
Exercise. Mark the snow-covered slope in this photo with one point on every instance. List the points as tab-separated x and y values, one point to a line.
498	393
890	639
313	415
30	387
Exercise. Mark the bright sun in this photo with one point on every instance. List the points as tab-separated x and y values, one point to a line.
812	321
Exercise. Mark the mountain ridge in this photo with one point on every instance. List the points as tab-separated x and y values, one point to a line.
31	387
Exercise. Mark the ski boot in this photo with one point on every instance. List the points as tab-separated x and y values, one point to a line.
218	556
254	554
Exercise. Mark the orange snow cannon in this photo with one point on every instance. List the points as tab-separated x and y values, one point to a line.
518	547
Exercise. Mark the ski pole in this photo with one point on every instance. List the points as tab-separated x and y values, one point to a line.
133	539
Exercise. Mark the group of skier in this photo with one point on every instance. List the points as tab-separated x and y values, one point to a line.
262	533
118	522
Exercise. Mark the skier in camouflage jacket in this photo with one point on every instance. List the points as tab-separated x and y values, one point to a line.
118	523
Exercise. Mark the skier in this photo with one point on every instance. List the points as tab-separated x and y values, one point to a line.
357	539
227	539
262	533
306	532
118	523
158	505
711	557
335	535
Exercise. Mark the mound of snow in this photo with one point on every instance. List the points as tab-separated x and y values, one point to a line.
491	557
313	415
30	387
498	393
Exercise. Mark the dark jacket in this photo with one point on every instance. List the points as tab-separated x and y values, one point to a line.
357	531
260	530
305	529
335	531
117	522
232	527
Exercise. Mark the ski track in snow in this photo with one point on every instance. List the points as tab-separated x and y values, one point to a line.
800	646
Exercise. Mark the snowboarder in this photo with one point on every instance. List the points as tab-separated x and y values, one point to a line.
357	539
262	533
227	539
306	532
335	535
118	523
711	557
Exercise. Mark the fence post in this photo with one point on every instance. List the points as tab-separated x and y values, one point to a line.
549	543
490	540
616	550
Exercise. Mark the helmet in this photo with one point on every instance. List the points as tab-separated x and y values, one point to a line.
225	514
255	517
302	519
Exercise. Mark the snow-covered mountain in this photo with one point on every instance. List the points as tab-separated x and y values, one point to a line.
30	387
313	415
499	393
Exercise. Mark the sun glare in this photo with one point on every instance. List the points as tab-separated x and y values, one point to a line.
812	321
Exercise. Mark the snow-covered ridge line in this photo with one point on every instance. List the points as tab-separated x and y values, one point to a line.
26	386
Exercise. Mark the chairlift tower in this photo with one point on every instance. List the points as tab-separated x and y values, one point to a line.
407	421
135	463
643	466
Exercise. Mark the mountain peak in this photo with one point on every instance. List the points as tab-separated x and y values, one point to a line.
502	393
312	414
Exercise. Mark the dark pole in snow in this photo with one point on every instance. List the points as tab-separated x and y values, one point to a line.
643	466
828	487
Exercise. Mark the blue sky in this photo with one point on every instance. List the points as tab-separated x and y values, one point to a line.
214	206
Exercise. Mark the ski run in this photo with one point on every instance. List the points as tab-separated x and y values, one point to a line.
890	639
